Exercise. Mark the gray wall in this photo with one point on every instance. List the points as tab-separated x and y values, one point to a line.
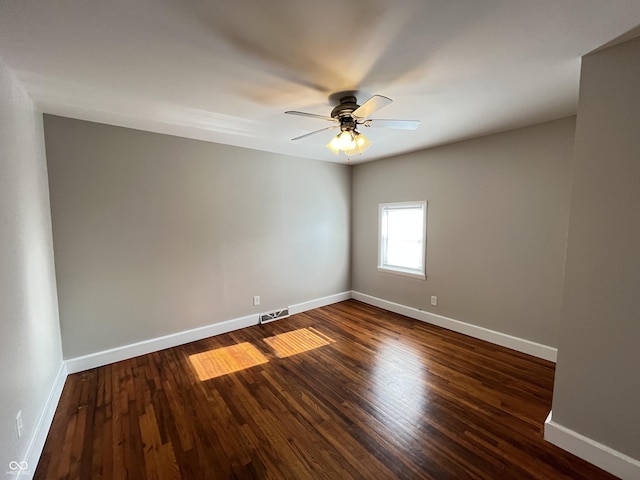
155	234
597	388
496	230
30	353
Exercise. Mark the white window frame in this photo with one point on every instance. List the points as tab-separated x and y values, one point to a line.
398	270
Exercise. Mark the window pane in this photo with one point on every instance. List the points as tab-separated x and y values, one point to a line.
404	254
405	223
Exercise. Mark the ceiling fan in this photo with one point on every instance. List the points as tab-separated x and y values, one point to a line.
347	116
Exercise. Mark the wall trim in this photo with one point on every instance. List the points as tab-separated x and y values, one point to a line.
320	302
125	352
519	344
36	444
600	455
105	357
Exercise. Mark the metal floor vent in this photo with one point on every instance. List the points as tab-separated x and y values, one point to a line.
275	315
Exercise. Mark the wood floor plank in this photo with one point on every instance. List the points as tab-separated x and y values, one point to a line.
346	391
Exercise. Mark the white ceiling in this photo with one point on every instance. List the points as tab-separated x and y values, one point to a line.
225	71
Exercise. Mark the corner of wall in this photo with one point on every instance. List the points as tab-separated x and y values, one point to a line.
600	455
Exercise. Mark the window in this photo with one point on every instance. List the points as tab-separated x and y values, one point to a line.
402	238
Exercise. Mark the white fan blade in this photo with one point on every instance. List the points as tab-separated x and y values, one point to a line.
313	133
374	104
312	115
397	124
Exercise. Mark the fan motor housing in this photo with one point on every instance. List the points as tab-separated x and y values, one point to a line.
346	107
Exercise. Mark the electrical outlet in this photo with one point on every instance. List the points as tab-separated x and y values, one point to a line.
434	300
19	424
256	300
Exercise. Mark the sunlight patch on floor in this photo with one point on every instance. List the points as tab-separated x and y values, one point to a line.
297	341
225	360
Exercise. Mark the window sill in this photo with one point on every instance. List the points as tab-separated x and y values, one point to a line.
402	273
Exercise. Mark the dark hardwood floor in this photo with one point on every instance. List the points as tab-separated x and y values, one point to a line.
374	395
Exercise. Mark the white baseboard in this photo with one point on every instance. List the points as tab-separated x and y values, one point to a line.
105	357
320	302
608	459
519	344
36	444
125	352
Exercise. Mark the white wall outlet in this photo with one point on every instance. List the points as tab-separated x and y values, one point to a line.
434	300
19	424
256	300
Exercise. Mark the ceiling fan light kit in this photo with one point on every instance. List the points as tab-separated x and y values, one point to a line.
351	142
347	115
